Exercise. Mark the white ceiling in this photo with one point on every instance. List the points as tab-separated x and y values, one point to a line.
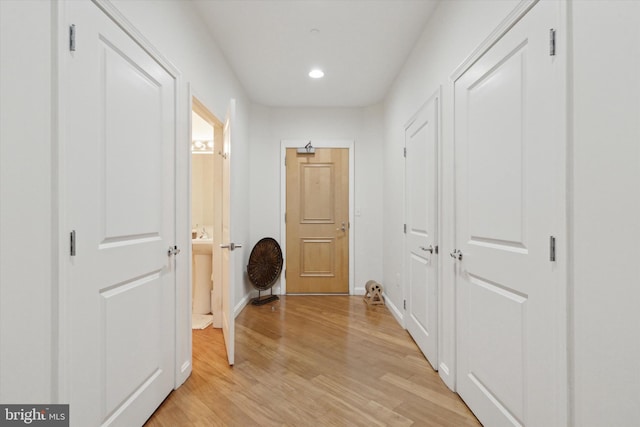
361	45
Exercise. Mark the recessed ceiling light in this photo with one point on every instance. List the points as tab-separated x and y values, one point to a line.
316	73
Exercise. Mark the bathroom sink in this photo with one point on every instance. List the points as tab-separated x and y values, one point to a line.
202	246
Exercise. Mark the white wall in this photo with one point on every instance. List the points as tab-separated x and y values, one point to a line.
202	179
455	29
363	125
606	213
27	229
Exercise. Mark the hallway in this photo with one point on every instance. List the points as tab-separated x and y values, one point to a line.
313	360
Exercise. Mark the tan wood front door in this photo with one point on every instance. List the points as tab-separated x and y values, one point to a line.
317	219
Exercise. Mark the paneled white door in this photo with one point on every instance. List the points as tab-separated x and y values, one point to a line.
119	156
421	192
507	150
228	247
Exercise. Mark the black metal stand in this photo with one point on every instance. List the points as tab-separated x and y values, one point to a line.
260	300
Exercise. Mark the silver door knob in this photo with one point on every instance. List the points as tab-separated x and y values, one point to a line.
231	246
343	228
456	254
429	249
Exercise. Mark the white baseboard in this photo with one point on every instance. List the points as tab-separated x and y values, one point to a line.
243	303
447	378
394	310
183	375
359	291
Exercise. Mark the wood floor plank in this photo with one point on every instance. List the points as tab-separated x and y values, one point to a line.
378	413
312	361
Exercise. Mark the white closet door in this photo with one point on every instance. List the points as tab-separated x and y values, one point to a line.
118	185
421	192
507	151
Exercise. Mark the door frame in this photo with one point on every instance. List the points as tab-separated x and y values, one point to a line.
563	177
317	143
437	97
61	319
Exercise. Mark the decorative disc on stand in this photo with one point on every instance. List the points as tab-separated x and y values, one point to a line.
264	268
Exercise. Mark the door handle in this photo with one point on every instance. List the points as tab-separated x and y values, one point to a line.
456	254
429	249
231	246
343	228
173	250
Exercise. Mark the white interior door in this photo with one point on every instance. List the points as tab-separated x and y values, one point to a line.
228	280
507	146
421	266
218	206
119	157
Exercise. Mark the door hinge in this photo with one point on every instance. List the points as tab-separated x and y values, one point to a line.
435	249
405	228
72	243
285	160
552	42
285	217
285	273
72	37
405	152
552	248
405	304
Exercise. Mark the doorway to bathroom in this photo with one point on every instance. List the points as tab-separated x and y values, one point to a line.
207	207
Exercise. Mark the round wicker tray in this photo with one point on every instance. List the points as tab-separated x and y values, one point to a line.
265	264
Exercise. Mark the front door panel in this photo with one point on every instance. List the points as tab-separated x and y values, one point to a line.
318	221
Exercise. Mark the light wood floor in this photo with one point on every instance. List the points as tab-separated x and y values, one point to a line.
312	361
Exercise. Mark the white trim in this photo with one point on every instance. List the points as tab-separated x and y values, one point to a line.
393	309
60	316
116	16
243	303
183	232
186	368
450	380
359	290
516	14
446	375
443	368
318	143
439	234
565	175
